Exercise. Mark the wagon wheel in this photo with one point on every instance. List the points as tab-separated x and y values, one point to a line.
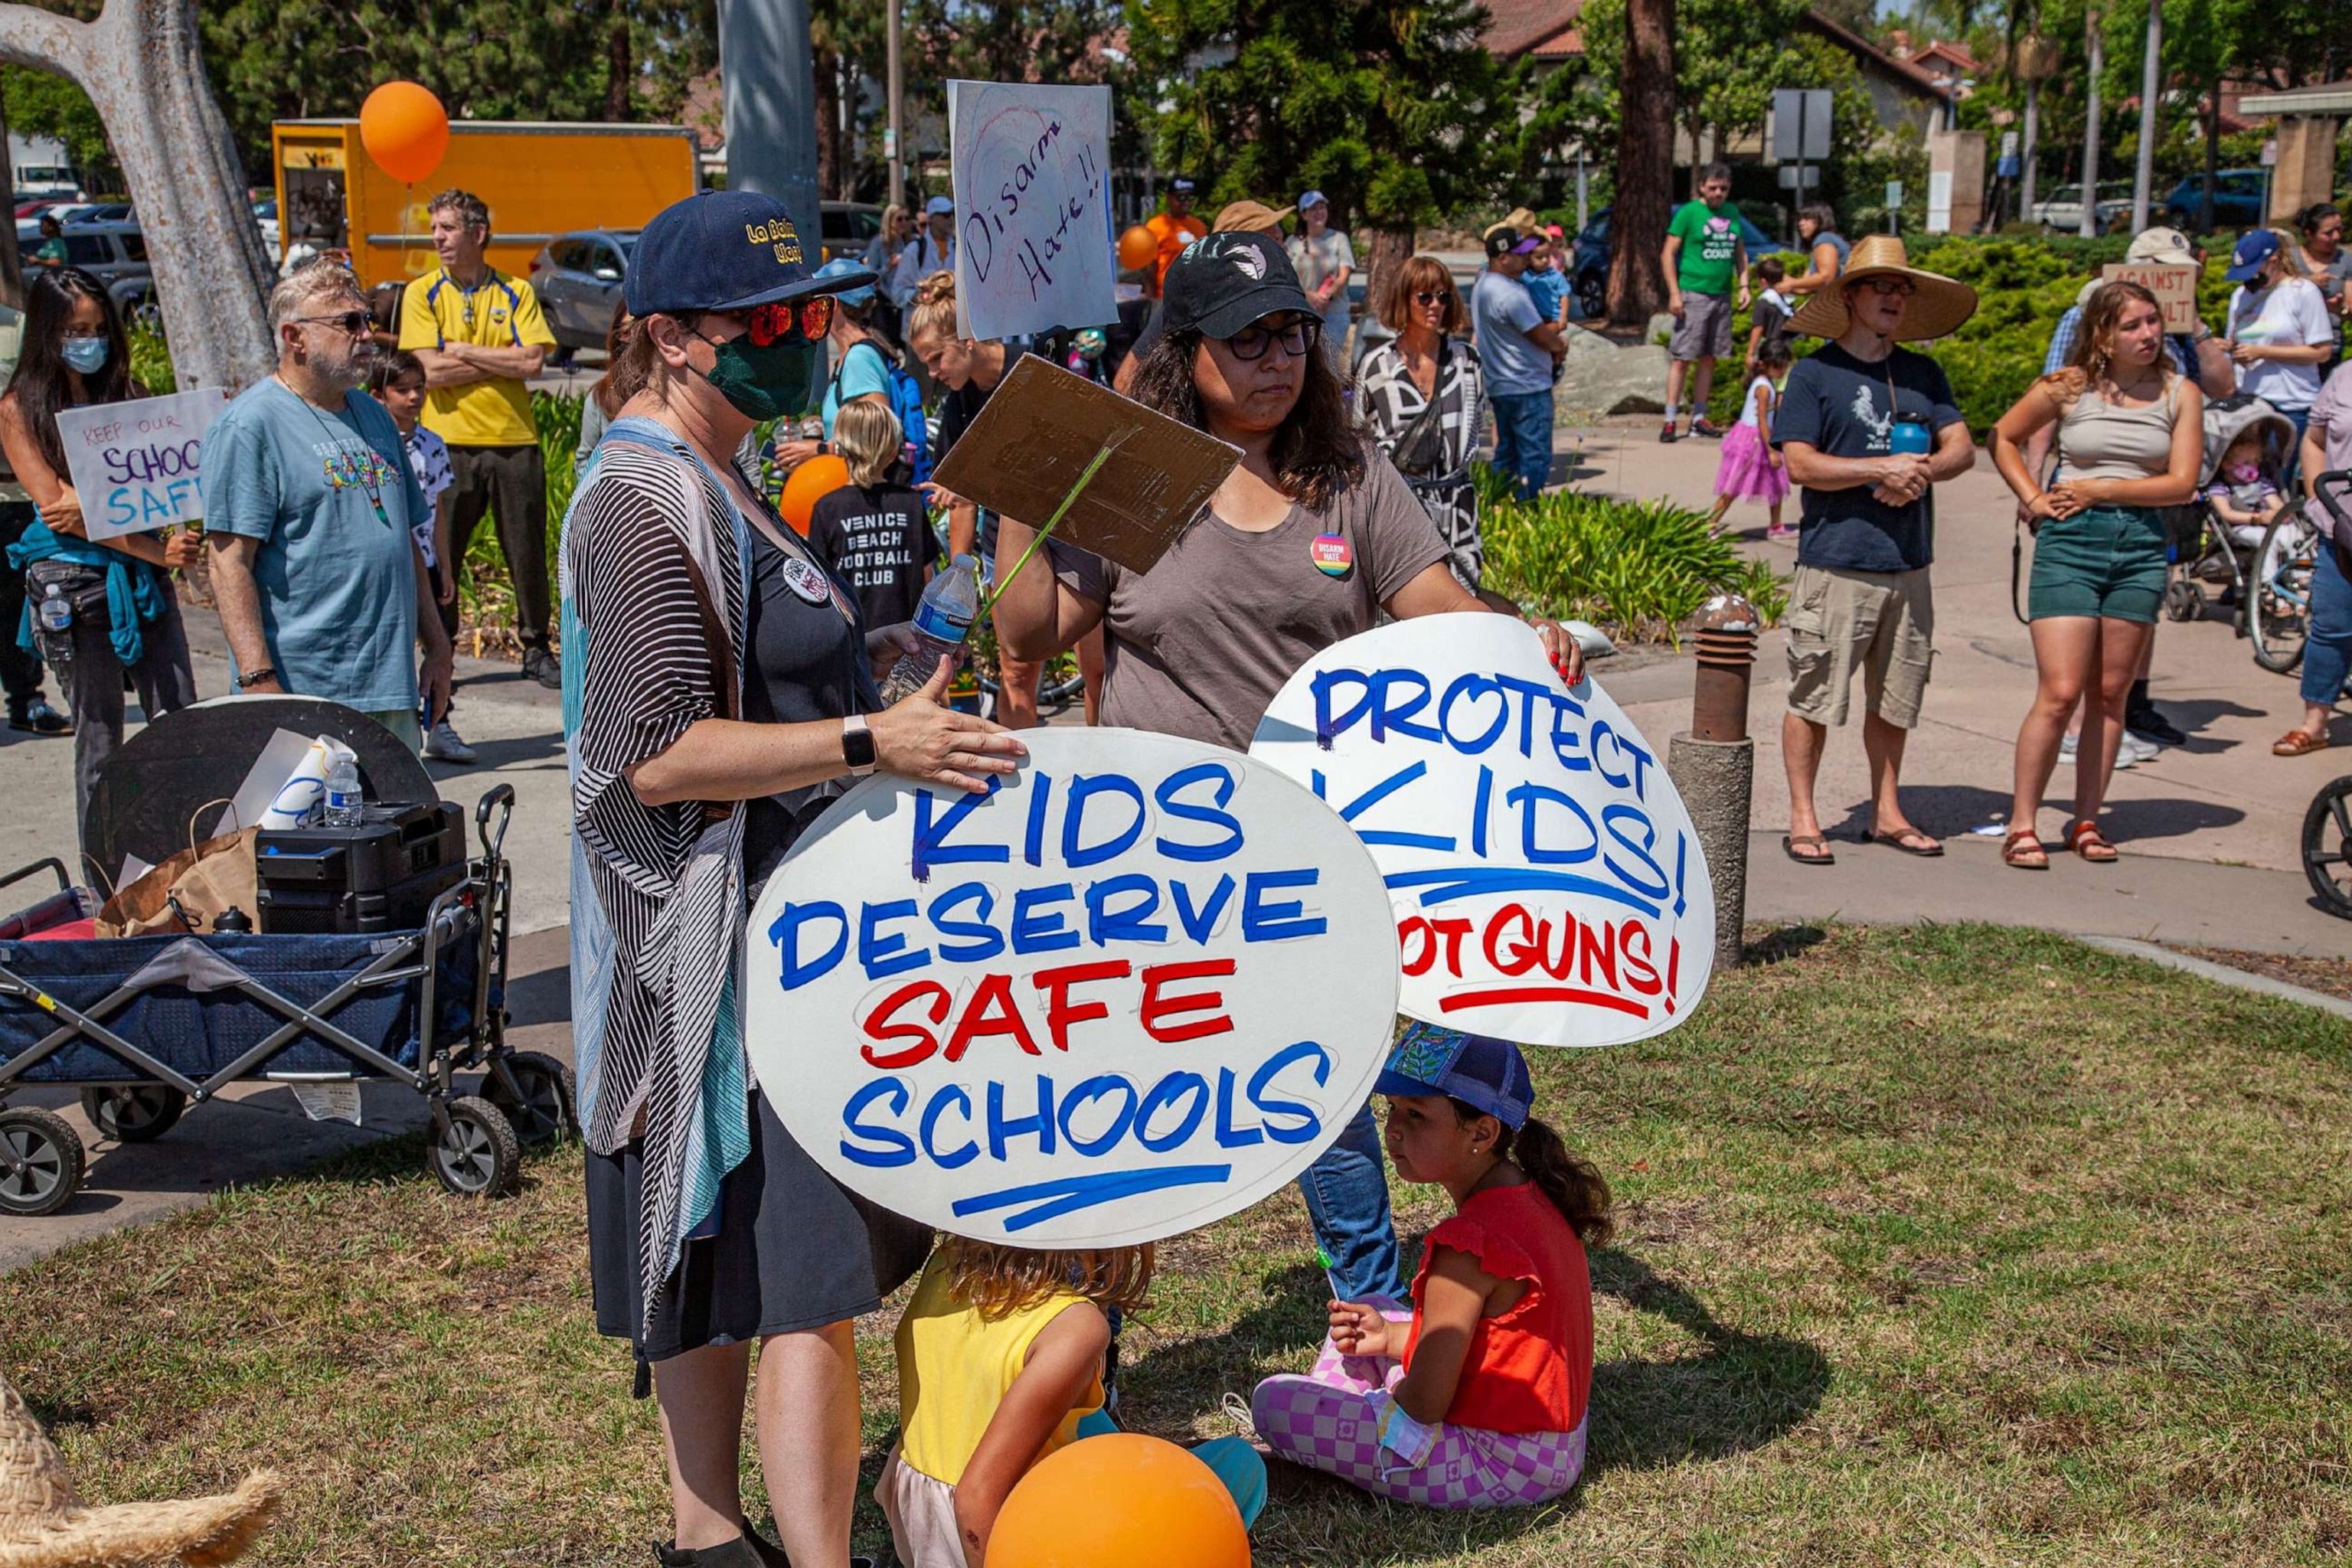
474	1150
2327	846
539	1102
139	1114
41	1162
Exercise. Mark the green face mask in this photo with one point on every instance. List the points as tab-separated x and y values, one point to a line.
763	384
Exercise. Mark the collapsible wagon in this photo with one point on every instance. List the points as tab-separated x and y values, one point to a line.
147	1027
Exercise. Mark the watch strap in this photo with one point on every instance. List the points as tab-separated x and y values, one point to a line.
858	744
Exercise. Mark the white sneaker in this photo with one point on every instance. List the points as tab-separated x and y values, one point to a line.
442	745
2133	749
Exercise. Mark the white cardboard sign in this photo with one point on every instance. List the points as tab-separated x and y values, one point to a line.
140	465
1137	988
1032	172
1547	883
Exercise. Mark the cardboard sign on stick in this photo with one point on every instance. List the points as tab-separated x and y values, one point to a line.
1547	883
1031	168
2174	284
1041	428
139	465
1135	989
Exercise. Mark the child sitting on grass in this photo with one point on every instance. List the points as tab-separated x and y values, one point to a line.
1001	1364
1477	1399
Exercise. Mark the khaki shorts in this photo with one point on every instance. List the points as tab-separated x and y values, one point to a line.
1705	331
1882	622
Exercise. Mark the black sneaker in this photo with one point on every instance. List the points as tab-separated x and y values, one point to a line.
1667	437
749	1550
1707	427
38	717
539	665
2150	725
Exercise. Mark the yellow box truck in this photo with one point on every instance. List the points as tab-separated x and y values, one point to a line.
541	179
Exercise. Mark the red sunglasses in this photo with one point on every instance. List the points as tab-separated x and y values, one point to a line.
788	320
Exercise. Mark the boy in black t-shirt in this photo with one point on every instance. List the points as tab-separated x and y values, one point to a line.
873	531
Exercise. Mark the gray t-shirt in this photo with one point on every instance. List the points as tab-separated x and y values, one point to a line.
1199	645
1502	314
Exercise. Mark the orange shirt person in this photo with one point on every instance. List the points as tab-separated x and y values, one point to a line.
1174	229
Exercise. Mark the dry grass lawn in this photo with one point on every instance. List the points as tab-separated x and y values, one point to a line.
1951	1245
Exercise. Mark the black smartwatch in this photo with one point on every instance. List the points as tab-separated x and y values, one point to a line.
858	744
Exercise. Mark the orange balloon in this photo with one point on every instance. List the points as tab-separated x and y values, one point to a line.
1120	1499
1138	248
809	484
405	130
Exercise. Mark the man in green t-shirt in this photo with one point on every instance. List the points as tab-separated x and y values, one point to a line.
1705	263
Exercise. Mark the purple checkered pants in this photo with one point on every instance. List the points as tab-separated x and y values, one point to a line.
1326	1422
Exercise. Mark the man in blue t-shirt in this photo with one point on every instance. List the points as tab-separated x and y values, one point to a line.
1516	345
308	501
1866	428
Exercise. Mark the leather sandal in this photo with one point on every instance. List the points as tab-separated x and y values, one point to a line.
2085	839
2298	743
2022	851
1790	841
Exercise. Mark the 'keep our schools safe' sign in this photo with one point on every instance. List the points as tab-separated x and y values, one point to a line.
1547	883
140	465
1136	987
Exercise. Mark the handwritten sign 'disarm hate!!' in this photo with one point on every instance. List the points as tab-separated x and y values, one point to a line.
139	465
1136	988
1547	883
1031	167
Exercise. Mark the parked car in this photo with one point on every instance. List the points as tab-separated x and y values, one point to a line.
2237	200
578	280
848	228
1590	277
115	253
265	214
2062	213
103	212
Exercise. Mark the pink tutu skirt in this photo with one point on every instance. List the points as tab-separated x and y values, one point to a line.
1745	474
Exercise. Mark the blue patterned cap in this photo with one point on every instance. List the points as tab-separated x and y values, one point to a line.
1476	1070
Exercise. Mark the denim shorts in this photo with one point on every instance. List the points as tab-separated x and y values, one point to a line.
2106	561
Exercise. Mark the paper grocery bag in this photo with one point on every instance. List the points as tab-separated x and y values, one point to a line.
204	880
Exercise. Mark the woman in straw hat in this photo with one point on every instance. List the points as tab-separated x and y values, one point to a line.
1866	428
2130	440
44	1525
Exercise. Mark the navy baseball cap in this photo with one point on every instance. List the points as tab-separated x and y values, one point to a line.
1478	1069
2253	254
1218	285
1508	241
1181	186
723	251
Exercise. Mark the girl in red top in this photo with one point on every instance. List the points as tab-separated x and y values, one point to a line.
1477	1398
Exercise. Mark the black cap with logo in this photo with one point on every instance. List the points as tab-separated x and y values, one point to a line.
1221	283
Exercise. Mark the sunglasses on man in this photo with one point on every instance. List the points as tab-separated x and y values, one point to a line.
1298	336
353	322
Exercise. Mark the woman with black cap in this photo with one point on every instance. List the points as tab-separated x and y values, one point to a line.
1305	543
725	682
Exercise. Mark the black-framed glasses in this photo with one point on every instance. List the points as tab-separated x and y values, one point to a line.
1298	336
351	321
1883	287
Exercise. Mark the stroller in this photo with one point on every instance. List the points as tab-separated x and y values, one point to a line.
2201	548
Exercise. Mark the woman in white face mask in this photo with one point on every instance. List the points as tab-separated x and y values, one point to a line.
117	602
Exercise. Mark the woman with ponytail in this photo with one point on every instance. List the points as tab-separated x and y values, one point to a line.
1475	1398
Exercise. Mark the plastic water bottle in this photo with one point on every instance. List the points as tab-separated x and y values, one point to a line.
343	801
942	621
56	618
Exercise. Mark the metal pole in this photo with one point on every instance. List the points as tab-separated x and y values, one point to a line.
2032	147
890	143
1800	203
1584	191
2151	81
770	74
2097	45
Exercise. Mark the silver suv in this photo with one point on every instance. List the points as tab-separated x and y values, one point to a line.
577	277
115	253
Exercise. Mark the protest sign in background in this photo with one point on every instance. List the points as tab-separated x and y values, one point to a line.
2174	284
1031	167
1547	883
139	465
1136	988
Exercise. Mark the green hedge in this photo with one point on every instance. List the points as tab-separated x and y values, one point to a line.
2023	286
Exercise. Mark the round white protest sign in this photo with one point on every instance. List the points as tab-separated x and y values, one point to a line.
1138	987
1547	883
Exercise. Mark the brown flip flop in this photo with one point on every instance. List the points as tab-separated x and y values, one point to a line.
1789	842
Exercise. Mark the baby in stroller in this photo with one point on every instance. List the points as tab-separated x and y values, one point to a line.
2244	492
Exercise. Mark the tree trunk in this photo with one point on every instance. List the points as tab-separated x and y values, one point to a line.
12	264
140	64
2213	154
1645	163
1385	252
828	121
620	71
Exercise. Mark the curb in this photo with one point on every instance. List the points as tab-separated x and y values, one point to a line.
2261	985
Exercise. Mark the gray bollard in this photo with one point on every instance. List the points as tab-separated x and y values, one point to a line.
1714	765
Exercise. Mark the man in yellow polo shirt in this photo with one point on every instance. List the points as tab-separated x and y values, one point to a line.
481	337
